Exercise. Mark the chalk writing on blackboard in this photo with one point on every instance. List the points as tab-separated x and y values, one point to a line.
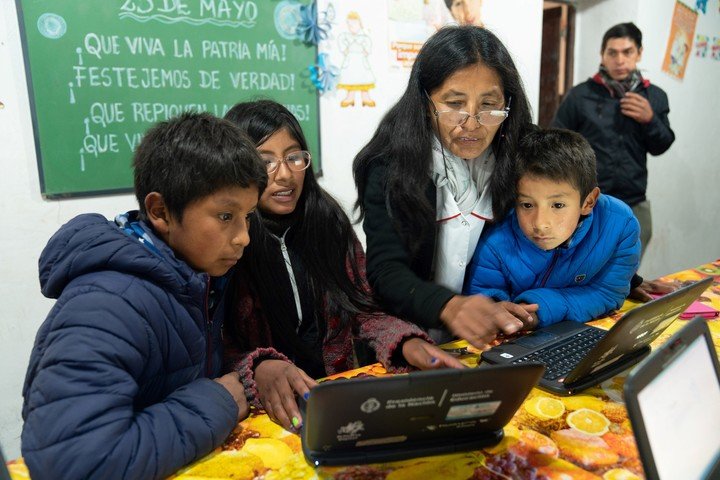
100	75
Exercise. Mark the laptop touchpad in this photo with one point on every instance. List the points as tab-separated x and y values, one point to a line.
536	339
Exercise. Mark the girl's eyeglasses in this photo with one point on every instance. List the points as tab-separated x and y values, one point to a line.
295	161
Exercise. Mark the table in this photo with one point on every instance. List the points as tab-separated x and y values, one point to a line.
586	436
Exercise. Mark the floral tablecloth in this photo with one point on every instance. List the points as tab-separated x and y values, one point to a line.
585	436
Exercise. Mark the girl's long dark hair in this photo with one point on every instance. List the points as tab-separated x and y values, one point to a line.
322	231
403	140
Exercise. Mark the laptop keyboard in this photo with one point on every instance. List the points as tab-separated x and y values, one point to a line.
560	359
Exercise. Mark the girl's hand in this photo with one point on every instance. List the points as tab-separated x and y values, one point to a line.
278	382
425	356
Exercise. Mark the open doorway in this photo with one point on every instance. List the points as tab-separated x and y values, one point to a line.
556	61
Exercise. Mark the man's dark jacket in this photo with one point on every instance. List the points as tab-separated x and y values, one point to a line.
621	144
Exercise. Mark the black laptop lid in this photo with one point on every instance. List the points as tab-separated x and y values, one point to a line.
673	401
637	329
422	413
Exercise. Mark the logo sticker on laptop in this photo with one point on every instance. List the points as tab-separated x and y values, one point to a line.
351	431
472	410
370	405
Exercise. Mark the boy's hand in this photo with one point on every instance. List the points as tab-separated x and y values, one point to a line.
525	312
232	384
478	319
278	382
425	356
656	287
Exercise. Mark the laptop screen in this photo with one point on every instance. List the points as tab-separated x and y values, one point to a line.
681	411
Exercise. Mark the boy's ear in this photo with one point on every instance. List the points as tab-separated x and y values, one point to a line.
157	213
590	201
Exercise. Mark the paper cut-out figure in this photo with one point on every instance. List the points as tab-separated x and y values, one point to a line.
356	74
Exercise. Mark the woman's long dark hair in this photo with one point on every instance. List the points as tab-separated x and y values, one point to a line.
403	140
321	229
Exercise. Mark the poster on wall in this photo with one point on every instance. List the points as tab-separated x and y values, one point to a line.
701	46
682	32
411	22
715	49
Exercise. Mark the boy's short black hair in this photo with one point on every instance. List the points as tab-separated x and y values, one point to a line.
558	155
622	30
192	156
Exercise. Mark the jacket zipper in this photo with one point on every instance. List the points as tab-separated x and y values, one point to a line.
293	280
208	327
550	268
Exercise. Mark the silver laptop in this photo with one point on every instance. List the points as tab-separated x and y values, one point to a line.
673	401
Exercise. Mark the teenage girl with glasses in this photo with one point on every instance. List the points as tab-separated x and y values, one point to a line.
300	294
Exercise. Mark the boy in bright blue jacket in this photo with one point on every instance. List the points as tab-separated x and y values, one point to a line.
565	252
123	380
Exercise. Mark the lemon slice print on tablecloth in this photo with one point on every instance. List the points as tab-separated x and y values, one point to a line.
588	421
620	474
545	407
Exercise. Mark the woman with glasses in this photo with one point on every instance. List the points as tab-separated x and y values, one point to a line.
300	293
436	170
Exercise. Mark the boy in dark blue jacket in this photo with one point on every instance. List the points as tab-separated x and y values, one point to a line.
565	252
123	378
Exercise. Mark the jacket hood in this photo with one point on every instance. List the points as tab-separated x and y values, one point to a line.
90	243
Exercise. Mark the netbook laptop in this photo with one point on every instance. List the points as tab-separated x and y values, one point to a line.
579	356
373	420
673	400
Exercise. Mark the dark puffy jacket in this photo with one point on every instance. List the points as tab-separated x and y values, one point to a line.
621	144
116	386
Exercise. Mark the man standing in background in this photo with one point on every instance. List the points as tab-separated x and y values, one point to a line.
624	118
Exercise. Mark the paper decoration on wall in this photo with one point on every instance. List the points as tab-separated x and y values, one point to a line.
356	75
715	49
701	5
682	32
411	22
314	26
324	75
701	46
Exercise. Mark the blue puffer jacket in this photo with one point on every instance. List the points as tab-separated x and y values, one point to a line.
580	281
116	386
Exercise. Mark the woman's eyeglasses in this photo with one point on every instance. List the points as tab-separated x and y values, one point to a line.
455	118
295	161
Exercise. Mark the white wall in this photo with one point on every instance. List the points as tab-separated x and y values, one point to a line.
29	220
682	183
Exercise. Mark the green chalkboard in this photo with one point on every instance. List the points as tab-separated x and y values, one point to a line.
100	72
